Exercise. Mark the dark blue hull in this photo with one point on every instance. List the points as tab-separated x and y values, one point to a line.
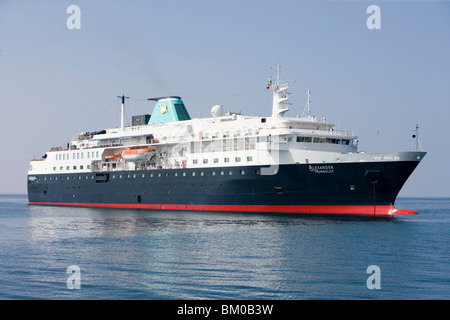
339	188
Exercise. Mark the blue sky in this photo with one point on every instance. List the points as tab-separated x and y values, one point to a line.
56	82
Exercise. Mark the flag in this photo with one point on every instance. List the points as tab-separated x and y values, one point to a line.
269	84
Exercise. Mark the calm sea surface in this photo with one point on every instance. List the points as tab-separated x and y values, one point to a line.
126	254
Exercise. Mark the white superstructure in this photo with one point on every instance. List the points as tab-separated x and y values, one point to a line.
222	140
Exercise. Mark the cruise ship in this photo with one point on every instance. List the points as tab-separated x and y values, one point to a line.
228	162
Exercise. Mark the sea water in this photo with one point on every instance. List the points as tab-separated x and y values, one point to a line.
49	252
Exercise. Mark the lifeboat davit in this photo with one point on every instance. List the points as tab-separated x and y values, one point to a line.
137	153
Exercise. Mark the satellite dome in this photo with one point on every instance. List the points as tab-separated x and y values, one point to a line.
217	111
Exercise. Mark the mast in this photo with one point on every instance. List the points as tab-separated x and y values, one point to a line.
280	95
122	110
416	136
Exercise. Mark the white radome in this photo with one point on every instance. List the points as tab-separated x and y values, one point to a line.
217	111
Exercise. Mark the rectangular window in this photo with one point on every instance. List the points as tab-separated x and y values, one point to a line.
238	159
249	158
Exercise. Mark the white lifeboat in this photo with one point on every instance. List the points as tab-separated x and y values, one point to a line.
137	153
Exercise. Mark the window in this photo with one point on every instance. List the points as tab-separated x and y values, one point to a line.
226	160
205	161
304	139
216	160
74	167
213	173
193	173
175	174
202	173
184	174
249	158
81	167
242	172
195	161
230	172
238	159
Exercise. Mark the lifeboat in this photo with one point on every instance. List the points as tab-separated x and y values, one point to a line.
113	157
137	153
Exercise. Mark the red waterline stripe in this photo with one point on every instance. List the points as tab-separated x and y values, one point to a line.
367	210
